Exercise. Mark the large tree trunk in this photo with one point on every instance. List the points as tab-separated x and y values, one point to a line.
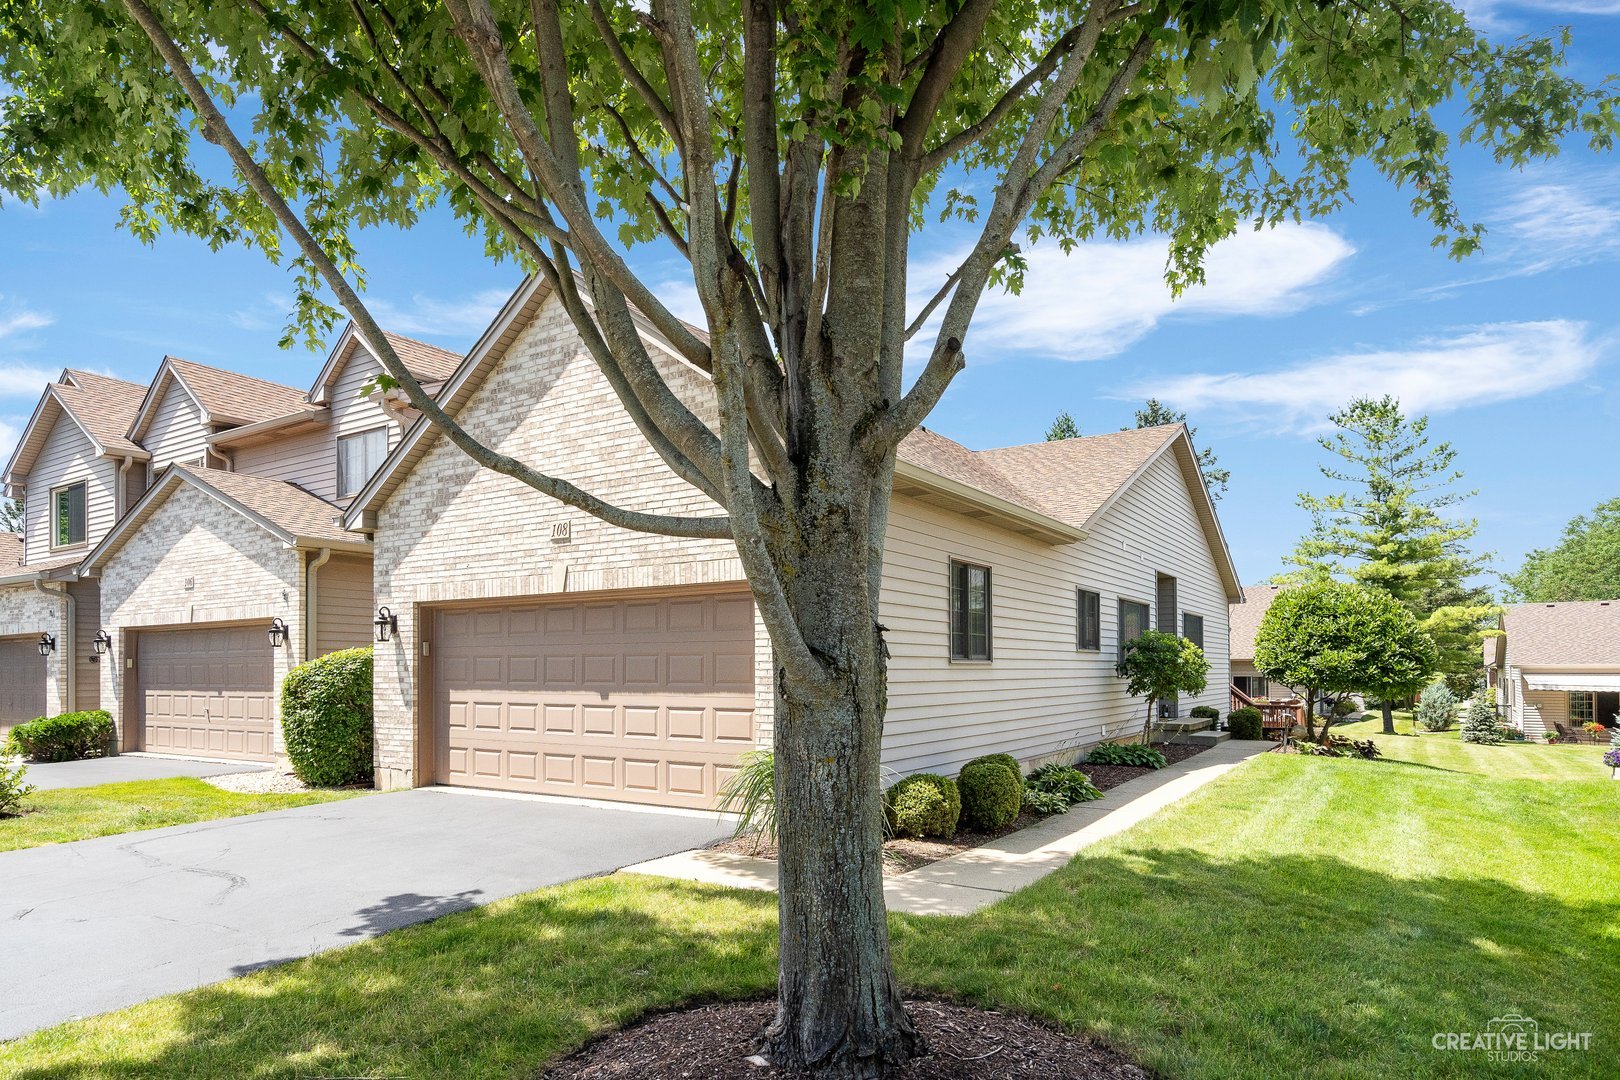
1389	718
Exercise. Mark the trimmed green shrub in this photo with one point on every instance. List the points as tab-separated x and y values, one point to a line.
326	718
1245	723
14	786
1345	707
1437	708
67	737
991	794
751	795
1204	712
1480	724
924	804
1006	760
1064	781
1139	754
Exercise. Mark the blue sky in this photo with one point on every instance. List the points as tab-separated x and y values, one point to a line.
1515	353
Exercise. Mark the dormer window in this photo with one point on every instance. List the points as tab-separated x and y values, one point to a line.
359	456
67	516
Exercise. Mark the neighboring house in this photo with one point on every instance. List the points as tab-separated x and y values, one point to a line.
541	650
75	470
1245	620
1556	665
226	518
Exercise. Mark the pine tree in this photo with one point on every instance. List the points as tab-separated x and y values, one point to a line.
1063	427
1156	414
11	516
1480	724
1388	528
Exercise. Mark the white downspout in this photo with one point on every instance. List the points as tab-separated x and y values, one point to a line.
64	648
311	603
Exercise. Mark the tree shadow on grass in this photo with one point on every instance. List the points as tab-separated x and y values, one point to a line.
1298	966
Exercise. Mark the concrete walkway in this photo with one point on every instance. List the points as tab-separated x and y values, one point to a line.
99	924
976	878
123	768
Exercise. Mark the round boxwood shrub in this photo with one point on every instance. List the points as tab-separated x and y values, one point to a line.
924	805
326	718
991	794
1204	712
1245	723
67	737
1006	760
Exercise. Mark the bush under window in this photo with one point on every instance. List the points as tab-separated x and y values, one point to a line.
925	804
326	718
991	794
67	737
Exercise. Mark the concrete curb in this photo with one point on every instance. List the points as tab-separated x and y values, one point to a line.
977	878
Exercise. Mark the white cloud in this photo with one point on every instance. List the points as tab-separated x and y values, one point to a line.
1502	16
433	317
1477	366
1105	296
1562	224
15	320
23	380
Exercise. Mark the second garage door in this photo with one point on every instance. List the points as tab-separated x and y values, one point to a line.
22	682
208	691
642	700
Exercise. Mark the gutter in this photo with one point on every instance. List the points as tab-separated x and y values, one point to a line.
121	496
1049	529
309	412
311	602
64	649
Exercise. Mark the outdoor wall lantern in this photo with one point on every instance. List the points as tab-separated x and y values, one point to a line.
386	622
278	633
47	644
102	643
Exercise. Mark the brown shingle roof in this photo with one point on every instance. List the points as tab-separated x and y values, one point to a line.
1553	635
934	452
1073	478
103	406
233	398
427	362
11	553
286	506
1244	619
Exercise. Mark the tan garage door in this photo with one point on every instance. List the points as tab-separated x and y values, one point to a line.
22	682
208	691
643	700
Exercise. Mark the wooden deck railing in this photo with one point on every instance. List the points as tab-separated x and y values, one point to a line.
1276	717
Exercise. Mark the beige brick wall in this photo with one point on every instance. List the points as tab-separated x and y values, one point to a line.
193	562
25	613
455	531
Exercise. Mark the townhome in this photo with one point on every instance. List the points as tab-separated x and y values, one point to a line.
536	649
226	528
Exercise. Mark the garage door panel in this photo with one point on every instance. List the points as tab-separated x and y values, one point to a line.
207	690
643	700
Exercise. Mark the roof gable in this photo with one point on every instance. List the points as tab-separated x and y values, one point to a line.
285	510
225	398
429	363
98	405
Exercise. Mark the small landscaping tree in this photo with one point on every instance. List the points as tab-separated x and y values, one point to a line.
1437	708
1159	666
1334	639
1480	724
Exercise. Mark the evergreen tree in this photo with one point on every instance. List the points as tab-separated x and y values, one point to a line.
1156	413
1480	725
1063	427
11	516
1437	708
1389	528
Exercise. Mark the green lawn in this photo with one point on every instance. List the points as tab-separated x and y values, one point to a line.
1303	917
1446	750
54	817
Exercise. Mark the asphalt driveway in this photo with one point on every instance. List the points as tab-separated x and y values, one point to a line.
126	767
99	924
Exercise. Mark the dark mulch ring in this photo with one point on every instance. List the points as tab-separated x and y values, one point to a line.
714	1042
903	855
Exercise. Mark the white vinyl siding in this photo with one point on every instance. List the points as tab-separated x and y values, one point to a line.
1041	695
358	456
68	457
176	432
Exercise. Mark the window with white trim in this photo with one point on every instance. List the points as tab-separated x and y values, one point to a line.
67	515
358	457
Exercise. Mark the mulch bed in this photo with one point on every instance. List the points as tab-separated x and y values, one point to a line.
903	855
714	1042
